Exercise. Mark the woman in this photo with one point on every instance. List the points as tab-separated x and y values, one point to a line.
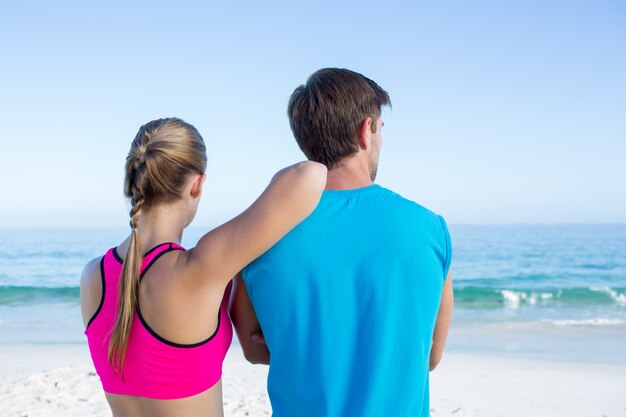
155	313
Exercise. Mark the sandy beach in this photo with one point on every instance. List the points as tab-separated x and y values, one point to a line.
45	380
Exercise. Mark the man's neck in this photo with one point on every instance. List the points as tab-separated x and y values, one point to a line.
349	175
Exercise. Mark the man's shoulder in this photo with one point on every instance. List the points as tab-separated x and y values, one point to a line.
410	205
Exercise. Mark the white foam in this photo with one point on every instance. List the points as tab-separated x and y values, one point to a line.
617	297
586	322
513	299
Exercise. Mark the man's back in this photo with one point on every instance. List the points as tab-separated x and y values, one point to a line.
347	302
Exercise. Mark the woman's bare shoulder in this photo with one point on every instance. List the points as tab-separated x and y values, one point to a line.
90	289
91	273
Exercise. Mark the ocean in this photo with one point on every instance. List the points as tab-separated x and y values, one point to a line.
546	291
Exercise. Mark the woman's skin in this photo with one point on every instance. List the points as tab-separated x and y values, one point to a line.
181	293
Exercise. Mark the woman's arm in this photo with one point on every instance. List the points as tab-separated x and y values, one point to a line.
442	325
246	324
90	289
290	197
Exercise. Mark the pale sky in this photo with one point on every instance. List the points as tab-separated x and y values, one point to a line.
502	113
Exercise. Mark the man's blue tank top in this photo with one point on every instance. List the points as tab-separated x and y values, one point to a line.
347	302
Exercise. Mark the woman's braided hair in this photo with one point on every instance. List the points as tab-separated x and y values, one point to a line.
164	153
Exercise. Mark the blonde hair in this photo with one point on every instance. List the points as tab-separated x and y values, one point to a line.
164	153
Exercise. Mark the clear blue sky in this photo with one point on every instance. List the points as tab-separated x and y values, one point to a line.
503	112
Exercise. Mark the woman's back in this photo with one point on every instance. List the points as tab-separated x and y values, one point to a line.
157	367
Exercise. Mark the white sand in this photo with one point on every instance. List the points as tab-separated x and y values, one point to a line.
58	380
488	386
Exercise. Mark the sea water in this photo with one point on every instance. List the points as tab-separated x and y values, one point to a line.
556	291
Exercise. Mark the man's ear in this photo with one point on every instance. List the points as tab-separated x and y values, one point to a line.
365	134
196	185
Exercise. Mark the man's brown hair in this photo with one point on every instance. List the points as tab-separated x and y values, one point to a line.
325	113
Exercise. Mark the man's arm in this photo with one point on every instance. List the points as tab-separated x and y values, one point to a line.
442	325
246	324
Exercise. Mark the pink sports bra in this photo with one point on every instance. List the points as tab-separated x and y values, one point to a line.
154	367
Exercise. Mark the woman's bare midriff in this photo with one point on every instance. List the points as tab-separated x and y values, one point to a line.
205	404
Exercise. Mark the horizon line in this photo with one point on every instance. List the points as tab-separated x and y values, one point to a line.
193	227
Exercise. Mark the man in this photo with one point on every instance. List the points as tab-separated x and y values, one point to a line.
354	304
